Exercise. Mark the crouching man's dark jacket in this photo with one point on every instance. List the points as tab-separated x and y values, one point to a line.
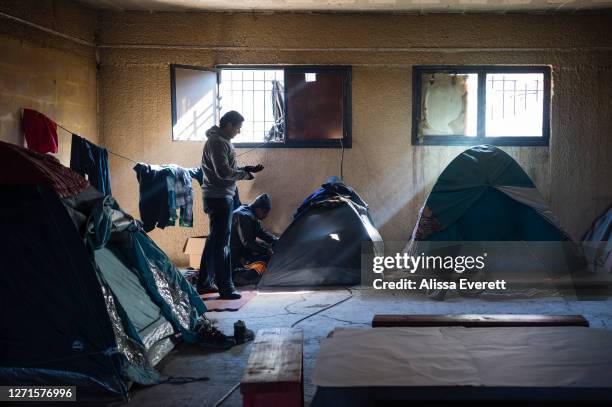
246	229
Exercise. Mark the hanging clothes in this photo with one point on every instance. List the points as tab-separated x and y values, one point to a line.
196	173
153	204
184	196
88	158
40	132
164	189
171	186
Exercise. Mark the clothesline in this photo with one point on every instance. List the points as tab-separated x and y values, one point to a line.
109	151
136	162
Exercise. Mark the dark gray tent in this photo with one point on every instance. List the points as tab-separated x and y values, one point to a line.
86	297
323	244
97	312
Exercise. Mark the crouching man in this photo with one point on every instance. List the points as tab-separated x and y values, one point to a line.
251	244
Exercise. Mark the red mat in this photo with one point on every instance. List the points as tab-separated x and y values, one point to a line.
213	303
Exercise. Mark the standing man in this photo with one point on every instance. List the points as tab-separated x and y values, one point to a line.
218	190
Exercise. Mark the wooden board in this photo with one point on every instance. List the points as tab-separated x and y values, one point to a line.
477	320
274	372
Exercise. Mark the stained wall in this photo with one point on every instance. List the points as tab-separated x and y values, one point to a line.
47	72
394	177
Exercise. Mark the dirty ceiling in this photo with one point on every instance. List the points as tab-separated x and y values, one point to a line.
411	6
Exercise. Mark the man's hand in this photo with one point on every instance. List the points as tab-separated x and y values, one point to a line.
253	168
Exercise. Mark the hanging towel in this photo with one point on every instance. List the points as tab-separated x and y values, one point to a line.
40	132
88	158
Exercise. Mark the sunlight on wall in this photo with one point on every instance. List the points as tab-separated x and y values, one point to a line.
195	93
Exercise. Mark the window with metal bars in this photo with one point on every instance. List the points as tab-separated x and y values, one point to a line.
502	105
297	106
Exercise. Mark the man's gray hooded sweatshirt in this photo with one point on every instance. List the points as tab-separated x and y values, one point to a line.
219	166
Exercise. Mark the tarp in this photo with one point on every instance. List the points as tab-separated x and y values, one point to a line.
323	245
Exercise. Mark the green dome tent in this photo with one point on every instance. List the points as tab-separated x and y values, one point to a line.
484	197
480	196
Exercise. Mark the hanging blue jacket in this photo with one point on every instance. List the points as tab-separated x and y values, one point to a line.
88	158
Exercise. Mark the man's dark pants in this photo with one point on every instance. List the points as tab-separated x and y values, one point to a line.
216	259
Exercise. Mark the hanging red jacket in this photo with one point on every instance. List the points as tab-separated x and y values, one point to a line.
40	132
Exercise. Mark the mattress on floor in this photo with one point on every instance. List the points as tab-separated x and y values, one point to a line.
534	357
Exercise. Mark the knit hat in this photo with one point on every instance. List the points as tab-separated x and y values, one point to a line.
262	202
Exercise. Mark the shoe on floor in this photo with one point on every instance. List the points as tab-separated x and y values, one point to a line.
242	334
231	294
212	338
207	289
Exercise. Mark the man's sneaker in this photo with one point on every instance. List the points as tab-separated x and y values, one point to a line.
230	294
212	338
207	289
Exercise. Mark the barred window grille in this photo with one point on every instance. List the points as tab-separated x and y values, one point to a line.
250	92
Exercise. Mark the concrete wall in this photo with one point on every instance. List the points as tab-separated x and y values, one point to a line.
394	177
46	72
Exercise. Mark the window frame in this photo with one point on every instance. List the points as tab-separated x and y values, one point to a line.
481	138
345	142
173	68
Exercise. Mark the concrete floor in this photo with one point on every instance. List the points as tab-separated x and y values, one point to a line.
282	309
